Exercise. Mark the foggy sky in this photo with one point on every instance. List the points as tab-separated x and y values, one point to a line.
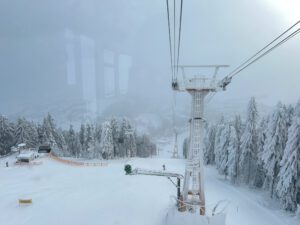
33	56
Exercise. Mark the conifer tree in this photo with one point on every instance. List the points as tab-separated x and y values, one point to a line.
274	146
107	145
26	132
224	150
233	155
288	186
209	145
248	159
262	131
7	139
82	138
72	140
218	146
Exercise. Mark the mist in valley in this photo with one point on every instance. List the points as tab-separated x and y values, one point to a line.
93	60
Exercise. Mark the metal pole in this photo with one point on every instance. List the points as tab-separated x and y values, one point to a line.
178	189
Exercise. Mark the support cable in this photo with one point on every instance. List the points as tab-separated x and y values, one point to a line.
263	52
170	41
174	36
277	38
179	36
267	52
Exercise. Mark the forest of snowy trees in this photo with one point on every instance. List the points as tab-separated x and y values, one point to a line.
111	139
262	151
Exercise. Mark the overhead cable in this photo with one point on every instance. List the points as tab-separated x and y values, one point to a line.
170	41
179	36
265	53
265	50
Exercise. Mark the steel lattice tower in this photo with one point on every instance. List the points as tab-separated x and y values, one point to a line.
198	87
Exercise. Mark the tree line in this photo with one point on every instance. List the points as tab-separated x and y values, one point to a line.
262	152
114	138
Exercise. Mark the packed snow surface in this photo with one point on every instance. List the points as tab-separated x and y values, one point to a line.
70	195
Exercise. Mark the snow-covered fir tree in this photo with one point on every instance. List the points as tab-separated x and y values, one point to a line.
90	141
97	138
53	136
26	132
288	186
49	130
98	131
233	155
73	143
129	142
60	140
218	146
107	144
115	126
290	114
209	145
274	145
7	138
262	131
82	138
238	125
239	129
248	158
123	135
223	150
42	137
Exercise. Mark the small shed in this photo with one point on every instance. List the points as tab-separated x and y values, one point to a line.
44	149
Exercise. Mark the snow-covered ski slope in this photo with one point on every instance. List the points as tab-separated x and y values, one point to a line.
70	195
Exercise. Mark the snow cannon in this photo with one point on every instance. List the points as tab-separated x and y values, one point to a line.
128	169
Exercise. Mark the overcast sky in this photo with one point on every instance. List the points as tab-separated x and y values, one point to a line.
33	47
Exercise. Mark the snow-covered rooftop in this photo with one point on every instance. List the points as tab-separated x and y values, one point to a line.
21	145
26	155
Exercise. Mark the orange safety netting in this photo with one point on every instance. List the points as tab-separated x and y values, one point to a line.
74	163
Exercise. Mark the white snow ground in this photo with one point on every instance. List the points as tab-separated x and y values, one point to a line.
68	195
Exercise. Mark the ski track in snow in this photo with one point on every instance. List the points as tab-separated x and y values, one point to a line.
69	195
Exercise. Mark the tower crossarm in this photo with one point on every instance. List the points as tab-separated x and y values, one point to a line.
196	82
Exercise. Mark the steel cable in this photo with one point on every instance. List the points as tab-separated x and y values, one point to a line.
267	52
170	41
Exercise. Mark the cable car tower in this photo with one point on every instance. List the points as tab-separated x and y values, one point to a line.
198	86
